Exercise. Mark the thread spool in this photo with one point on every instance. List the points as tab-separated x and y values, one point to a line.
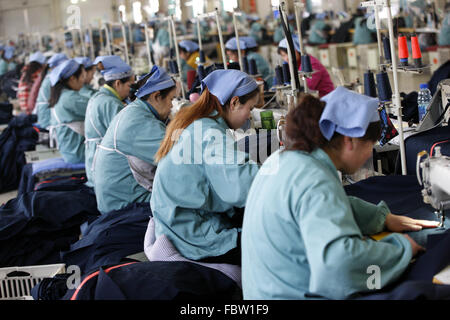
384	86
416	53
369	84
171	66
387	49
175	67
246	65
286	73
306	64
201	72
403	53
279	75
252	67
202	56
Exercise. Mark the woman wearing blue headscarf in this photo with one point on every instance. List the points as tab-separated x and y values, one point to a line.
89	67
42	101
302	236
104	105
124	164
195	207
68	109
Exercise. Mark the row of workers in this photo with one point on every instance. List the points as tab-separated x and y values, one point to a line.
300	236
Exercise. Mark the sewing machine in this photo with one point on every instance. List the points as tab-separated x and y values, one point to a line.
435	179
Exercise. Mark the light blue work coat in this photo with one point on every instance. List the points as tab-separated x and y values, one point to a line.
87	91
42	102
102	108
303	236
317	34
3	66
444	34
362	35
132	139
71	107
196	187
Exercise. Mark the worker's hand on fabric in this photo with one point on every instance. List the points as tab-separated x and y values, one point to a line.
414	246
396	223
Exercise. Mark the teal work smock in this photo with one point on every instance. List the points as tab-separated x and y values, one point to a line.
196	187
102	108
42	102
71	107
136	132
303	237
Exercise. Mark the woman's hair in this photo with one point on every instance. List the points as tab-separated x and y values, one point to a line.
281	49
303	132
55	92
30	69
183	50
123	80
202	108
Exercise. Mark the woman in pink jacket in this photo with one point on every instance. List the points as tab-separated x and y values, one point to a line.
320	80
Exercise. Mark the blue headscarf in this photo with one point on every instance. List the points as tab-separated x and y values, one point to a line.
232	44
159	80
108	61
348	113
188	45
56	59
85	61
250	42
63	71
226	84
37	57
114	68
284	44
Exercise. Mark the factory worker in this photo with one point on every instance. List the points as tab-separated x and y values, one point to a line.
106	62
195	207
362	34
231	49
162	43
320	30
124	165
43	98
320	80
444	34
261	64
87	90
278	34
302	236
190	56
102	108
256	28
68	110
6	60
30	74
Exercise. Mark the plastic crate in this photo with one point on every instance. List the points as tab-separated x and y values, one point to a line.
16	282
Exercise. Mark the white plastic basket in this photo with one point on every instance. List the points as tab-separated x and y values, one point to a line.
16	282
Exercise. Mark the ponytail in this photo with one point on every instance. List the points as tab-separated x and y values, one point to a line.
202	108
55	91
303	131
302	125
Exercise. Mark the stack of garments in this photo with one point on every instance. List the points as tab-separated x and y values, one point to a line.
110	238
18	137
37	226
5	112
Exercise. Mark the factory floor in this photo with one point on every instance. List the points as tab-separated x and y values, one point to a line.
407	83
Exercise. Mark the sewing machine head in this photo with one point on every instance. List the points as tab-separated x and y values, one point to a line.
435	179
